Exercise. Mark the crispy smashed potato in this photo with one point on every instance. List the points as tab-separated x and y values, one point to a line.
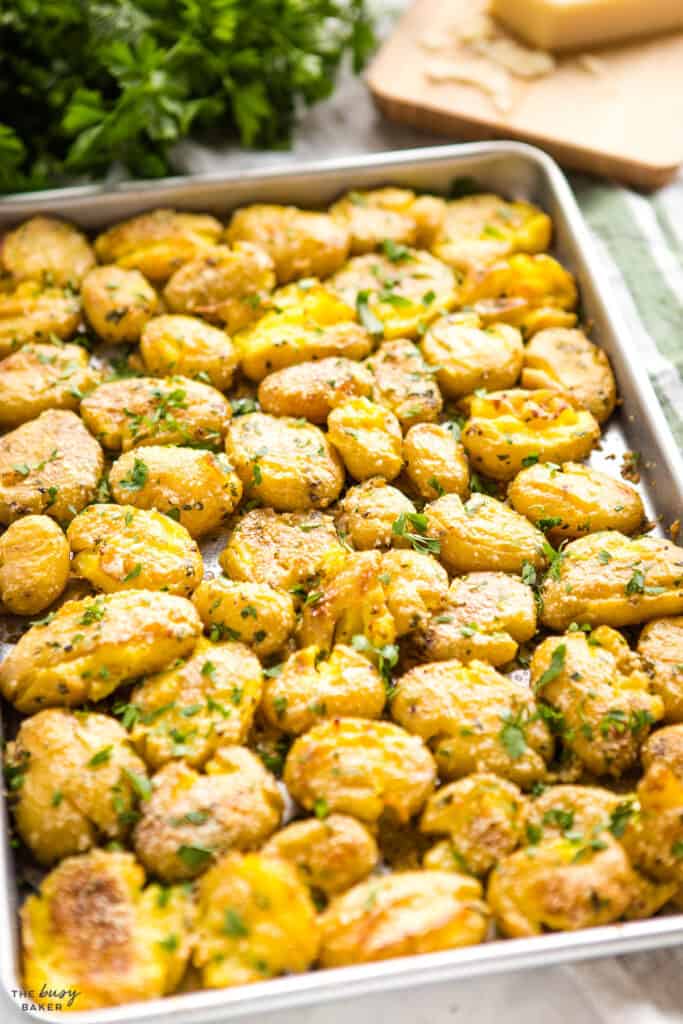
40	377
118	303
654	836
566	360
467	356
578	810
368	511
415	585
329	855
255	920
402	914
254	613
404	383
50	465
188	346
47	250
159	242
377	218
572	500
478	229
435	461
93	929
90	647
313	389
368	438
34	565
360	767
196	488
661	647
508	430
80	780
32	312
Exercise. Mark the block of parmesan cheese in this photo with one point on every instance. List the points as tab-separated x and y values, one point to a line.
586	24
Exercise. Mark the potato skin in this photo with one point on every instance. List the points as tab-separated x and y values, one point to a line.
120	547
190	347
254	613
313	389
255	921
32	312
123	414
189	710
583	499
118	303
49	465
226	286
468	356
34	565
402	914
40	377
79	782
287	464
368	438
507	428
48	250
607	578
466	712
368	511
404	383
311	687
565	359
374	216
360	767
234	805
661	647
158	242
120	637
197	488
92	927
300	243
436	463
482	534
329	855
477	229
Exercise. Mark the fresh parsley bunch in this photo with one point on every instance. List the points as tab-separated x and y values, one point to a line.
85	83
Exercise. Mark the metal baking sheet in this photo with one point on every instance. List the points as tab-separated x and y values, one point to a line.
515	170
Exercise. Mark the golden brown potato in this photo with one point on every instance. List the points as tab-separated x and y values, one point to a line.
475	720
41	377
579	811
90	647
607	578
477	229
396	298
654	835
311	686
571	500
307	322
192	708
600	688
118	303
483	534
188	346
93	930
313	389
661	648
360	767
368	511
566	360
159	242
402	914
195	487
123	414
226	286
300	243
436	463
32	312
467	356
329	855
484	816
404	383
256	920
508	430
47	250
190	819
368	438
379	217
34	565
76	780
561	885
415	585
49	465
485	615
120	547
254	613
286	463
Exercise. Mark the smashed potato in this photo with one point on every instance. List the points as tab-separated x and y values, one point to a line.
254	613
120	547
435	461
654	836
467	356
379	217
90	647
32	312
661	648
360	767
47	250
415	585
159	242
478	229
118	303
368	438
402	914
313	389
41	377
329	855
368	511
186	345
578	810
567	361
508	430
34	565
404	383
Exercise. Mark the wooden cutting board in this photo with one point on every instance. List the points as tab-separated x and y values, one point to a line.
623	119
